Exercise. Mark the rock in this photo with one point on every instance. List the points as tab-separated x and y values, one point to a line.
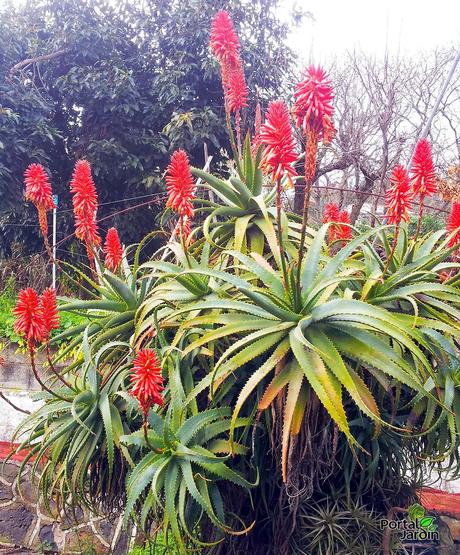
27	491
454	526
47	540
105	528
83	540
6	493
9	471
15	521
121	548
72	518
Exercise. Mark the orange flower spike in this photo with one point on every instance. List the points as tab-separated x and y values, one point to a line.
423	174
276	134
453	224
29	321
147	380
50	311
113	250
38	191
398	197
85	204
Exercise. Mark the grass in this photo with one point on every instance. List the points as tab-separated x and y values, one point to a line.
159	546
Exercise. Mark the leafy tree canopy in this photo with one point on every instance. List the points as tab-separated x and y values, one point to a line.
121	84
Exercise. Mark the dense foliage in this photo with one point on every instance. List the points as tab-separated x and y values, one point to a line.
125	84
259	380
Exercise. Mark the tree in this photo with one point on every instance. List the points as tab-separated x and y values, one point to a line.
121	84
381	107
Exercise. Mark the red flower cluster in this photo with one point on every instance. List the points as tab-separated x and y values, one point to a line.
38	187
422	172
398	197
39	192
50	312
147	380
224	40
279	152
226	48
113	250
85	205
29	317
181	188
313	104
36	317
313	112
453	224
333	215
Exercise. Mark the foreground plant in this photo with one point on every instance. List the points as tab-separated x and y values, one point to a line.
314	357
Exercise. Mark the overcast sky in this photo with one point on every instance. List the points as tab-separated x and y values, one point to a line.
406	26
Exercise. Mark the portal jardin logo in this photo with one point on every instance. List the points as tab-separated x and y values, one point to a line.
417	527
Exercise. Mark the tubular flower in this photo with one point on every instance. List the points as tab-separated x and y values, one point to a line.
85	204
50	312
398	197
333	215
422	172
113	250
344	231
237	90
29	317
39	192
226	48
453	224
147	380
276	134
313	104
180	184
224	41
38	187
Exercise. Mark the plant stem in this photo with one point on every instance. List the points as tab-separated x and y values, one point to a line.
233	144
393	249
56	373
303	230
279	232
5	398
420	215
311	149
146	436
37	377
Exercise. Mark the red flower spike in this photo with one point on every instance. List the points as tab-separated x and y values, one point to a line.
39	192
50	311
344	231
331	213
313	104
224	41
29	317
113	250
147	380
422	172
38	188
85	204
398	197
453	224
237	90
180	184
279	152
